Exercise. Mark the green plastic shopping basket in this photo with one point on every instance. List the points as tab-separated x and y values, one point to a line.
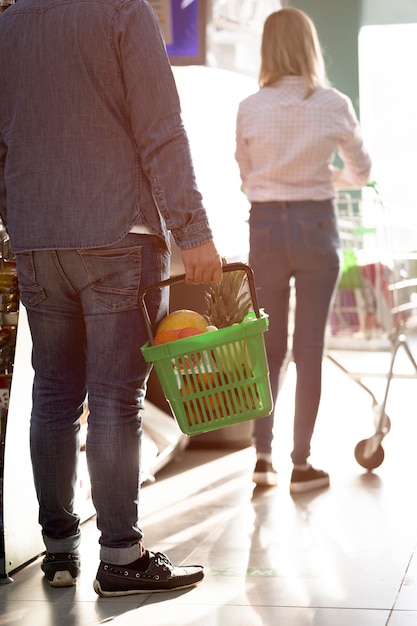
214	379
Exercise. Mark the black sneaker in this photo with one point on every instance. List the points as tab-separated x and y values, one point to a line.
160	575
264	474
308	479
61	569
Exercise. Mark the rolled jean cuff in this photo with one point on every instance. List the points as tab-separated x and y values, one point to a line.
58	546
120	556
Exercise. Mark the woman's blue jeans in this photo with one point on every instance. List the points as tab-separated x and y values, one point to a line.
87	331
295	241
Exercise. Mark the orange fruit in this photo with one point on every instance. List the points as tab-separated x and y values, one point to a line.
183	318
167	335
189	331
164	336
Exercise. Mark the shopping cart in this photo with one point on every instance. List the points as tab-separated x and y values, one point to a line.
375	306
214	379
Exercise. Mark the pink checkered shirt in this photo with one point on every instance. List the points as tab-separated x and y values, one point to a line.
285	144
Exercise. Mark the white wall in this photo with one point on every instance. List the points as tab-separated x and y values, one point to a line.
388	102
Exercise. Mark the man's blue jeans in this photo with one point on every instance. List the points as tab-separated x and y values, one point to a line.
295	241
87	331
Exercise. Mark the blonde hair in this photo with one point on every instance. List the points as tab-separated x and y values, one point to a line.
290	47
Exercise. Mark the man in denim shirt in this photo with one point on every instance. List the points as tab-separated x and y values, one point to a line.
95	171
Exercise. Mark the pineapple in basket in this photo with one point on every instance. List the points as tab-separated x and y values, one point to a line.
228	303
220	384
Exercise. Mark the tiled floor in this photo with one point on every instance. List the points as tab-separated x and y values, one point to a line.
344	556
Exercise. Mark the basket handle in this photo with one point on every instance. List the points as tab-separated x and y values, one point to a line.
228	267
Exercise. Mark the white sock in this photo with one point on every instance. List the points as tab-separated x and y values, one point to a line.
303	468
264	456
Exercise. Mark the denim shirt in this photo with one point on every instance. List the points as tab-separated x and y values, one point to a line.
91	135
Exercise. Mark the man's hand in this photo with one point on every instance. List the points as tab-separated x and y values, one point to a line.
202	264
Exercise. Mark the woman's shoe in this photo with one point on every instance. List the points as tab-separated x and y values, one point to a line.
264	474
308	479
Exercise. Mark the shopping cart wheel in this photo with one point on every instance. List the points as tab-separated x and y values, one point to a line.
372	461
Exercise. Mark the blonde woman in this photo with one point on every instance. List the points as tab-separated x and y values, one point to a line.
287	136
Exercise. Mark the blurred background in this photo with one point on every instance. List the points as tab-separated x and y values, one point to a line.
370	48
